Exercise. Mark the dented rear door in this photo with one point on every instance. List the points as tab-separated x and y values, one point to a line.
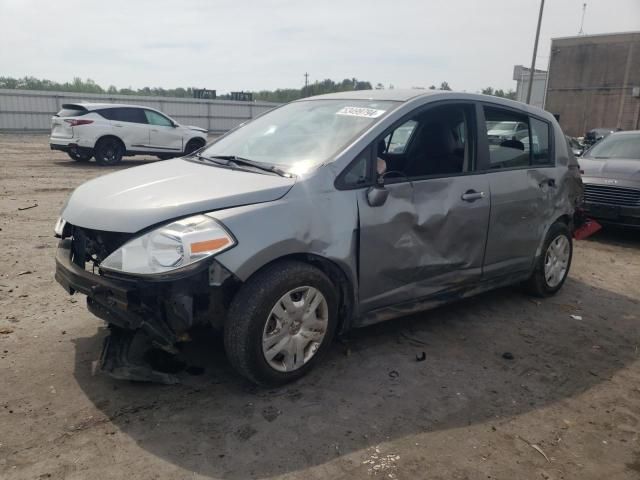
428	237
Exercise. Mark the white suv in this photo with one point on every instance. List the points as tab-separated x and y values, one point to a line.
109	131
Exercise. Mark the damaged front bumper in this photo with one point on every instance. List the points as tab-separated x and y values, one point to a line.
164	308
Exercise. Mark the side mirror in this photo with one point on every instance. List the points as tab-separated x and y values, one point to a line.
377	195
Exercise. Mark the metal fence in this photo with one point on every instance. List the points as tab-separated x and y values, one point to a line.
31	110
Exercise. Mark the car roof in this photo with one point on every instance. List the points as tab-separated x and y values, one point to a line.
398	95
100	106
624	132
415	95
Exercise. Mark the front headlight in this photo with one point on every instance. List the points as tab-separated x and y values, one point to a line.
170	247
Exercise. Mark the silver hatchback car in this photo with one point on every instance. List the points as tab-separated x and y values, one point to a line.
322	215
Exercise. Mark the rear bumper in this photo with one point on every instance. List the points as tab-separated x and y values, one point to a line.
70	144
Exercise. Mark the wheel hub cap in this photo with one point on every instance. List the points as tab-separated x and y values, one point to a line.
295	329
556	261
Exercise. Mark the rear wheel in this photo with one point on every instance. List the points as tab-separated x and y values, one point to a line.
79	157
280	323
552	267
109	151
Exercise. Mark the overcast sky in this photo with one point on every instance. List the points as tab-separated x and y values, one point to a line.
253	45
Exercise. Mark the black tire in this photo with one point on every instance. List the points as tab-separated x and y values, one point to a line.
109	151
249	314
538	284
192	146
79	157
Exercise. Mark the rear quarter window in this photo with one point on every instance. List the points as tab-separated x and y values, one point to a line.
70	112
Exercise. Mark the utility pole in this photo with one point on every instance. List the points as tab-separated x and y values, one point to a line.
535	53
306	83
584	11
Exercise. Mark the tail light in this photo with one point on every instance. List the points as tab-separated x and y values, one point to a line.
75	123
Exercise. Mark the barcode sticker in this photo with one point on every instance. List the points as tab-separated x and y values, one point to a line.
360	112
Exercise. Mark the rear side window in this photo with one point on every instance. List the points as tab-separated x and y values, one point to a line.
540	152
508	138
71	112
124	114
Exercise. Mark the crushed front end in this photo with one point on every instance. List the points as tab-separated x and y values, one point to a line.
163	307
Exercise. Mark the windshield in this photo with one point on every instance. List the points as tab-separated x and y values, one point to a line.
617	146
301	135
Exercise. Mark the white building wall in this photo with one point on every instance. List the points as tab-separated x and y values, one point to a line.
521	76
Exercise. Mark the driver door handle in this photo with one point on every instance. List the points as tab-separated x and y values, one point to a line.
472	196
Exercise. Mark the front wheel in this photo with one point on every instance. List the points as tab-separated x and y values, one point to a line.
192	146
280	323
552	267
109	151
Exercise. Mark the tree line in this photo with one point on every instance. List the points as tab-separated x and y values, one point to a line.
280	95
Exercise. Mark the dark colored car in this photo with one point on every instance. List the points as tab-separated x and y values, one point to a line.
611	177
595	135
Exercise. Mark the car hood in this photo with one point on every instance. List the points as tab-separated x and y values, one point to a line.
136	198
617	168
197	129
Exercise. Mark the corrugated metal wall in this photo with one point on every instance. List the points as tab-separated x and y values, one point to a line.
31	110
591	80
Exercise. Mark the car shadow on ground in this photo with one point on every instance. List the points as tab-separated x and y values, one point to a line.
373	388
125	163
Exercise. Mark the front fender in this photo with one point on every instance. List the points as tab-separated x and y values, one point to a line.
323	224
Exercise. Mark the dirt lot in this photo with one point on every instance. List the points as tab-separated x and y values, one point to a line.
566	406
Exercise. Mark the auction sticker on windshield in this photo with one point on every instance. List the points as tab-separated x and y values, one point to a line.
360	112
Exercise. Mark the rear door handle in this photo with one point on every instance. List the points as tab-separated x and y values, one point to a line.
117	125
472	196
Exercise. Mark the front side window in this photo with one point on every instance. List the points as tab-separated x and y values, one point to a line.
154	118
397	141
435	142
303	134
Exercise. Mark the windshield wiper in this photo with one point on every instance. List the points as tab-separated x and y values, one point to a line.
233	159
252	163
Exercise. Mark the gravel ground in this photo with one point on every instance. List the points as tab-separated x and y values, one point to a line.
567	405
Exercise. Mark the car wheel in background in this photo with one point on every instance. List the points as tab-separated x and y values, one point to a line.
192	146
109	151
280	323
552	267
79	157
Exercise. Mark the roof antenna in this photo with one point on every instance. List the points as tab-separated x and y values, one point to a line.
584	11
